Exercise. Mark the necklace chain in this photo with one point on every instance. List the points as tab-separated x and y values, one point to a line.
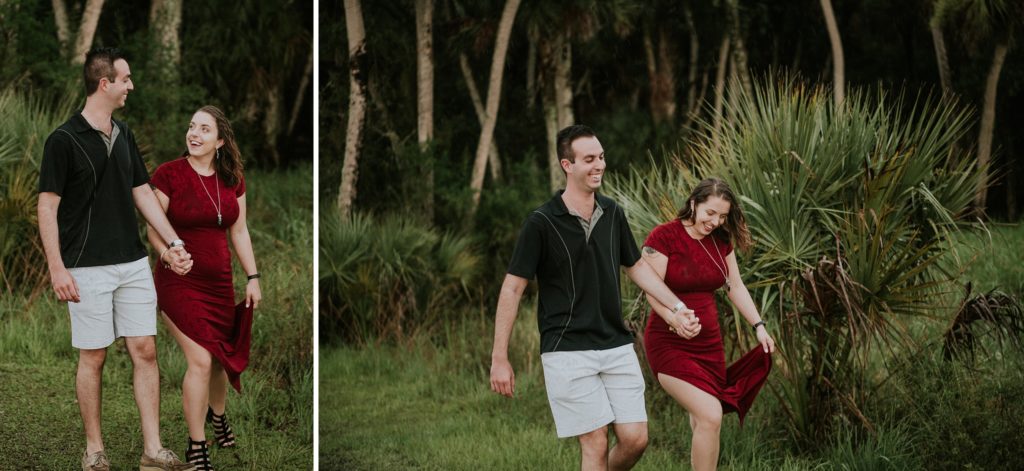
217	188
724	271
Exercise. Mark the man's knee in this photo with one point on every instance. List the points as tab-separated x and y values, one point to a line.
92	359
595	442
142	349
633	439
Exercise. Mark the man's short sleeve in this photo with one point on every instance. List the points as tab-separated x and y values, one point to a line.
528	249
53	172
629	254
140	175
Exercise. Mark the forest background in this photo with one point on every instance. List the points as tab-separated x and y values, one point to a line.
254	60
876	148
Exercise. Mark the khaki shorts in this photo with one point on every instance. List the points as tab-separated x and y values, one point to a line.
589	389
115	301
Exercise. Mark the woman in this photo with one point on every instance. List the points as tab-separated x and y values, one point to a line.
203	194
694	255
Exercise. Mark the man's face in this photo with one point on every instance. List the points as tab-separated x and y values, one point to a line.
118	90
588	169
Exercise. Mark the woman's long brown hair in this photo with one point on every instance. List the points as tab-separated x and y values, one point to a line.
735	228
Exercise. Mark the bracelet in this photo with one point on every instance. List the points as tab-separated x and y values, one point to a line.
678	307
166	265
253	276
758	324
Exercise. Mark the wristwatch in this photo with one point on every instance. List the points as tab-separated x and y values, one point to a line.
677	307
176	243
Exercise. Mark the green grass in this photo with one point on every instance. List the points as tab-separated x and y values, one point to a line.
273	417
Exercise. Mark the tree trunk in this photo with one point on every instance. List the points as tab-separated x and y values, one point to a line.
356	105
563	81
86	30
533	37
556	177
691	79
723	65
838	63
493	162
739	50
988	123
272	122
60	17
662	79
301	93
165	22
941	57
476	184
425	98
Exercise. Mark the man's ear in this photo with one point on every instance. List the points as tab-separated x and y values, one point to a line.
565	164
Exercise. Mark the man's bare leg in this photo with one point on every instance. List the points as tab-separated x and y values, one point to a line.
88	387
146	382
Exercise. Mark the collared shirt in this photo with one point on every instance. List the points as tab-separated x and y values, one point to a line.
96	218
108	140
577	267
588	224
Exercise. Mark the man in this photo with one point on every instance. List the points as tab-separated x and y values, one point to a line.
574	245
91	177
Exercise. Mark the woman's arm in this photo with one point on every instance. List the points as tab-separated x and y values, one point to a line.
243	250
740	297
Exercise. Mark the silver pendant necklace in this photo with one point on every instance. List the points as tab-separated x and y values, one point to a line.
216	204
723	271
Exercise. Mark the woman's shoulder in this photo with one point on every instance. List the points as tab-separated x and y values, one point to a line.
175	165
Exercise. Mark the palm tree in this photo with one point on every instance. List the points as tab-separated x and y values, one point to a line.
425	95
838	63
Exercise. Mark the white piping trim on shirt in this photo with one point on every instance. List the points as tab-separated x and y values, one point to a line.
88	218
572	279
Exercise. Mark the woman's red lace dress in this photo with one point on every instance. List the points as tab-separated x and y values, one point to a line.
202	303
700	361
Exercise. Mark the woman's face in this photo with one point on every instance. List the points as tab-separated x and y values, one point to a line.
201	137
710	214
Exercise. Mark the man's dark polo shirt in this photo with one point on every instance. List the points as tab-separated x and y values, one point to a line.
104	230
579	305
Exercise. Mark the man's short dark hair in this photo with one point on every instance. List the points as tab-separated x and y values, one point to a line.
99	64
567	136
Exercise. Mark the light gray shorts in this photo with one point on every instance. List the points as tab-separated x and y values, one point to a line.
115	301
589	389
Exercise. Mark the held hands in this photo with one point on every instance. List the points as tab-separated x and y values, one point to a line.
684	323
64	285
178	259
766	341
253	295
503	380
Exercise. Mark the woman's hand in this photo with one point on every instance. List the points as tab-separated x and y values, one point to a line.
253	295
178	260
684	323
766	341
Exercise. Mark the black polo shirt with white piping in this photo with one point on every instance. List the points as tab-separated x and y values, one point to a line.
96	217
579	304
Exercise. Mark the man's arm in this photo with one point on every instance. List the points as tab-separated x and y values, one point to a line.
179	260
648	280
502	377
149	206
63	283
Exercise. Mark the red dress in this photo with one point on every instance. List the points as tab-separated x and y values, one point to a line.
700	361
202	303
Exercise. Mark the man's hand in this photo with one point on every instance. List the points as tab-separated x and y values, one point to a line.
179	260
684	323
64	285
503	379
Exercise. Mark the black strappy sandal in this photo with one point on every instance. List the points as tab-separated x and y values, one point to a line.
198	456
221	429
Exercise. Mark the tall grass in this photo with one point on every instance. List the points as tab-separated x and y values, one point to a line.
387	278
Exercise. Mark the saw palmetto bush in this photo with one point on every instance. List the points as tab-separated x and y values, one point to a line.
851	208
389	277
25	122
